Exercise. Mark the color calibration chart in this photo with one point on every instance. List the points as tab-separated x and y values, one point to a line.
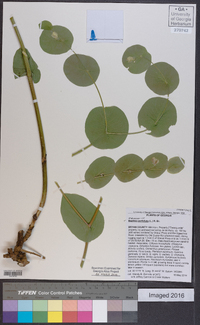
74	302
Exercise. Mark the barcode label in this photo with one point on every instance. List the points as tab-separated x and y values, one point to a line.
12	273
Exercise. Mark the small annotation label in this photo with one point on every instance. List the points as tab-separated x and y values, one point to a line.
181	16
166	294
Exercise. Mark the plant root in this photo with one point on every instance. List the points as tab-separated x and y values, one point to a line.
18	254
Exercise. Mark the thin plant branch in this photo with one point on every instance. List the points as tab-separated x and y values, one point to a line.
18	254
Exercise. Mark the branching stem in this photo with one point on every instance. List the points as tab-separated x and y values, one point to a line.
98	91
104	111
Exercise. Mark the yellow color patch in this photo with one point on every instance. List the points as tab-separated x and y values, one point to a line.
55	317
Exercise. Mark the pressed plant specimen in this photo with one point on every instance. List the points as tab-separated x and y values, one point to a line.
129	167
108	127
105	128
23	64
82	218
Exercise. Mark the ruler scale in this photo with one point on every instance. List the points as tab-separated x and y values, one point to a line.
74	302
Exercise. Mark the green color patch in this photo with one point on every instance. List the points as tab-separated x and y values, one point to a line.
40	317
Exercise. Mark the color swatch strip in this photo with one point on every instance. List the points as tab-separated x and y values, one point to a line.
70	311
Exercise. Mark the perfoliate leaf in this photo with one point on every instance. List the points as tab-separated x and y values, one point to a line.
157	115
45	24
81	70
19	68
155	165
58	40
175	165
36	75
128	167
162	78
75	223
117	124
100	172
136	59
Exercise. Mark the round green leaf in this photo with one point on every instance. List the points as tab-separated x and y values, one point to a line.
155	165
162	78
75	223
95	127
100	172
45	24
175	165
81	70
19	68
136	59
157	115
58	40
128	167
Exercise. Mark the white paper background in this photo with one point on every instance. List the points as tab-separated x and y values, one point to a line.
64	108
108	25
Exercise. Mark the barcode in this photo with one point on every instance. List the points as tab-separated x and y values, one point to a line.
13	273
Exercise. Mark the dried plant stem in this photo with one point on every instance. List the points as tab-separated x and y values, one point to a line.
95	213
19	254
90	225
84	255
81	150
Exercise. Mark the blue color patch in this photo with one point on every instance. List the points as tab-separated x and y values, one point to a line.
25	305
25	317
